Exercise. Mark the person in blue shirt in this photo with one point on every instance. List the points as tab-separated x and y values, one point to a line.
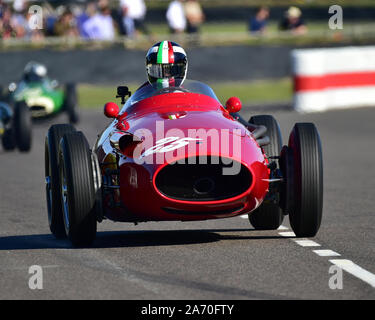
257	24
293	22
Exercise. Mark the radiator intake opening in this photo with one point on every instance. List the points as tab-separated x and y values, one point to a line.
202	179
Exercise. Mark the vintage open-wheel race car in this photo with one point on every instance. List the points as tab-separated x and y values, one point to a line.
178	154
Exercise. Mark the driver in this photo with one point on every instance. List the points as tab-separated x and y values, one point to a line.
166	65
34	72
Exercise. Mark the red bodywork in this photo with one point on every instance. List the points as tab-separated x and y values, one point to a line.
138	199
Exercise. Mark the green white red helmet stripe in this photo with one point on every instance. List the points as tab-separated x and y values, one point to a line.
165	83
176	49
170	52
165	52
172	82
160	83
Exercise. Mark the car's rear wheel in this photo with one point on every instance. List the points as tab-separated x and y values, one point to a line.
52	175
70	103
22	125
269	215
77	189
307	183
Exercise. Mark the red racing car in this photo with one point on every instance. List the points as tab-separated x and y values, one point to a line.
178	154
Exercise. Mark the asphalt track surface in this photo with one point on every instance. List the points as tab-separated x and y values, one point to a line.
221	259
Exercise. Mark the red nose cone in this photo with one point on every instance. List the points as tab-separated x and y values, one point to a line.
233	105
111	110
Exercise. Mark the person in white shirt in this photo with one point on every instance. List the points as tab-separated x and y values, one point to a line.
100	26
176	16
134	13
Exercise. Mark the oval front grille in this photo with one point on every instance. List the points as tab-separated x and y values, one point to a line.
202	179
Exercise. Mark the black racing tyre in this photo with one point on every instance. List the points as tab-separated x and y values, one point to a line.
52	175
9	140
306	213
268	216
78	189
71	102
22	126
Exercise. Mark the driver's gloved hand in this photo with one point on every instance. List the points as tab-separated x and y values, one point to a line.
258	131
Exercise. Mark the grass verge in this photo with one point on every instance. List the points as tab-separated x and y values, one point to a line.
250	92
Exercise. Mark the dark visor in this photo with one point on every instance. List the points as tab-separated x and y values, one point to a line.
162	71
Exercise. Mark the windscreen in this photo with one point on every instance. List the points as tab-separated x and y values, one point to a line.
190	86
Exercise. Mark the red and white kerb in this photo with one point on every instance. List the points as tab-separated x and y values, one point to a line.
333	78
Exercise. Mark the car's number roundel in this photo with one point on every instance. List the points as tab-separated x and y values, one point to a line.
168	144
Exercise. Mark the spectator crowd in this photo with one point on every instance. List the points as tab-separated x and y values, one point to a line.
95	20
104	19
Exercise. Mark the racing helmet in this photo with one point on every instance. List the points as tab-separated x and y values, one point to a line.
34	72
166	64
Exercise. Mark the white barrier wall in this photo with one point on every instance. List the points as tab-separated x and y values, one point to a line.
333	78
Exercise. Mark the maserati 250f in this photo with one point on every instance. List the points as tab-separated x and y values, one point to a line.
178	154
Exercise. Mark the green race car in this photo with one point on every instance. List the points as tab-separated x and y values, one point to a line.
43	96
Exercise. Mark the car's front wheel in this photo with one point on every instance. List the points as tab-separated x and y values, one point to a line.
77	189
304	188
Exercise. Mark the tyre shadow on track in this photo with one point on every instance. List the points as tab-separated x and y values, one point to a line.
140	238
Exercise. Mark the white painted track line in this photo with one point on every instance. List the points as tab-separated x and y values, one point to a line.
282	228
326	253
307	243
350	267
346	265
287	234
